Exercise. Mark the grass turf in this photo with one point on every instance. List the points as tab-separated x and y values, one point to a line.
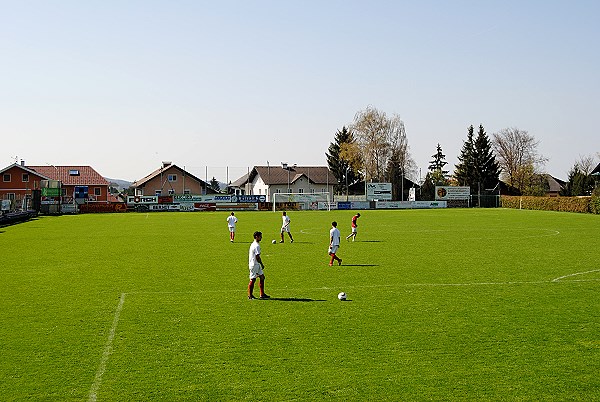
443	305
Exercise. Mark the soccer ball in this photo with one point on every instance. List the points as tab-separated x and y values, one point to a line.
342	296
273	241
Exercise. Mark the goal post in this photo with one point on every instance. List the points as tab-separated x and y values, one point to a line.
312	201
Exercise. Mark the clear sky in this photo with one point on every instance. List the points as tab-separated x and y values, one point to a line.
124	85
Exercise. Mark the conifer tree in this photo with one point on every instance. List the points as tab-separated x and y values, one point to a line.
339	166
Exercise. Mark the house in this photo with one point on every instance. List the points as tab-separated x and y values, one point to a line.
77	182
18	184
555	186
268	180
170	179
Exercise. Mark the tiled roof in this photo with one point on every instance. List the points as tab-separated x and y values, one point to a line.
26	169
164	170
277	175
87	175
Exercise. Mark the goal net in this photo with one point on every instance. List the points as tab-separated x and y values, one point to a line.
313	201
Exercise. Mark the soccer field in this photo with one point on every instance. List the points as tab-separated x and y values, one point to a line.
449	304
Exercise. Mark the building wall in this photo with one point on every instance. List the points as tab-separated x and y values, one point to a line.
69	190
178	186
301	185
16	188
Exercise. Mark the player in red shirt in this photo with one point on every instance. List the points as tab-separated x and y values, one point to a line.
354	226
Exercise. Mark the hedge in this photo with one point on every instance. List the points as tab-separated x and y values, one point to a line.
563	204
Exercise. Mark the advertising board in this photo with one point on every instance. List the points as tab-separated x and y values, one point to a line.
379	191
445	193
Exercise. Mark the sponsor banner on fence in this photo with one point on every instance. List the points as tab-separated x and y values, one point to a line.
205	206
379	191
324	205
239	206
164	207
360	205
142	199
410	204
445	193
201	198
248	198
344	205
165	199
102	207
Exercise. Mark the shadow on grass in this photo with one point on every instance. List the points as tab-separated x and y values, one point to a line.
294	299
359	265
369	241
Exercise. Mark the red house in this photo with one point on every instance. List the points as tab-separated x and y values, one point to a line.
76	176
17	183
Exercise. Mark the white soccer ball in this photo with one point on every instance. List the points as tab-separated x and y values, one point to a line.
342	296
274	241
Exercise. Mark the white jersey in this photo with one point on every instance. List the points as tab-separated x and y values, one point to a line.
285	221
254	251
231	221
334	235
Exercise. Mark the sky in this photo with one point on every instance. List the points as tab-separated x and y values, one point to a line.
220	86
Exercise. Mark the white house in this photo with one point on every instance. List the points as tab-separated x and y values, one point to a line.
267	180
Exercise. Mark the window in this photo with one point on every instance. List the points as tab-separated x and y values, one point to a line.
312	190
74	172
157	193
25	177
259	191
171	191
186	191
301	190
172	177
6	177
289	190
97	191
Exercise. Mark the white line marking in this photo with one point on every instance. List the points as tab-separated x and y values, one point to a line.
107	351
575	274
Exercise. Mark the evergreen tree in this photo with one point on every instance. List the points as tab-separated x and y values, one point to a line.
342	169
214	184
427	190
463	172
437	174
487	169
477	167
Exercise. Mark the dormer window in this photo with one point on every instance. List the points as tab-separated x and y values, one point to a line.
74	172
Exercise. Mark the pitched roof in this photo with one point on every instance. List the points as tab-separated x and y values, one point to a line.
164	170
25	168
556	185
596	170
277	175
85	176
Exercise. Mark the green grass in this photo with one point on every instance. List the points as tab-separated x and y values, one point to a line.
443	305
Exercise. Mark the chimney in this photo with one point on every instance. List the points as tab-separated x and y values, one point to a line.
166	164
22	162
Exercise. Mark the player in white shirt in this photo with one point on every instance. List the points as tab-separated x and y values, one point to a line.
231	221
256	267
334	243
285	227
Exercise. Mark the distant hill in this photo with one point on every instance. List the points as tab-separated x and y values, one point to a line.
119	184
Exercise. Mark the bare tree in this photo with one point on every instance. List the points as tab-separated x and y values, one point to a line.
518	156
380	138
586	163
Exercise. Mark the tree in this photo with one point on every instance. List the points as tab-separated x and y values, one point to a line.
463	171
437	174
380	139
579	182
342	161
214	184
518	157
487	169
